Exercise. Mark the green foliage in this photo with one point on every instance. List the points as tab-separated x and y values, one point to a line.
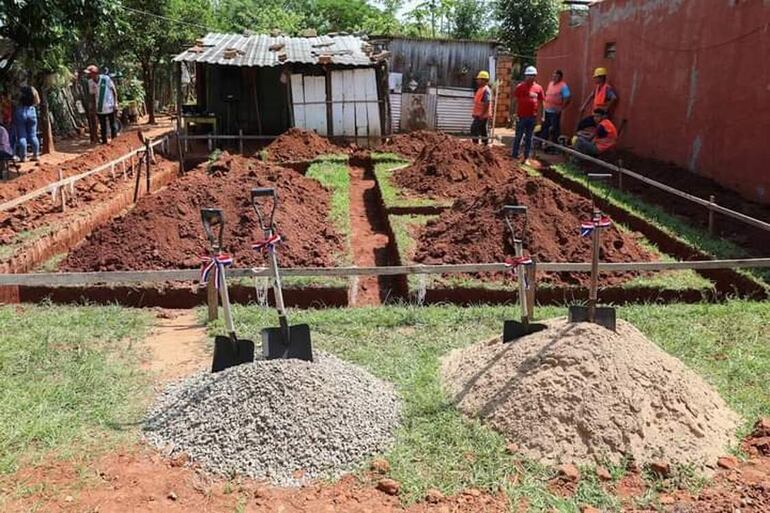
527	24
471	20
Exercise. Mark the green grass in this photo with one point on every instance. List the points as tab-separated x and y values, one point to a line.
379	156
437	447
332	157
674	226
68	377
7	250
334	175
392	195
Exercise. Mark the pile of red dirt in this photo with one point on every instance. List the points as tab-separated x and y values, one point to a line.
474	231
411	144
452	167
297	144
43	174
164	230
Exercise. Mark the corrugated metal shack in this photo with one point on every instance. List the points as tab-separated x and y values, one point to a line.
263	85
431	81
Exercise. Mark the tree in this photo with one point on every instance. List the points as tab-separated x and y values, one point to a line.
527	24
471	20
158	29
259	16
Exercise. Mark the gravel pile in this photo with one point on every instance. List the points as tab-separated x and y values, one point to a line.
579	393
285	420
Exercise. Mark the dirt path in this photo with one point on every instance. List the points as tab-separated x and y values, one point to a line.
176	345
370	237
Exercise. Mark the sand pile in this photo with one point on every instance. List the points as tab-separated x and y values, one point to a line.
473	231
411	144
289	421
164	230
297	144
451	167
580	393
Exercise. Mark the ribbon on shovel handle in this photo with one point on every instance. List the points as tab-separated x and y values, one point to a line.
587	227
515	262
214	265
267	244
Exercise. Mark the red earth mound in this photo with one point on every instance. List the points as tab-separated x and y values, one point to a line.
410	145
164	230
44	174
473	231
297	144
451	167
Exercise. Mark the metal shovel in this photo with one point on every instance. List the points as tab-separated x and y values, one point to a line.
229	350
513	330
284	341
601	315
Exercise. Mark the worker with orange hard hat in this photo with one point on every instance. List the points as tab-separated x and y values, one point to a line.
602	97
482	109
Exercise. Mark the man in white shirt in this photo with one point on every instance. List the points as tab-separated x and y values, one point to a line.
106	99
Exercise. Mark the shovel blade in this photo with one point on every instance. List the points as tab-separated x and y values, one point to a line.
229	353
513	330
298	346
603	316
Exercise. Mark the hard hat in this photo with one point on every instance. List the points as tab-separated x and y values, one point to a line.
600	72
531	70
483	75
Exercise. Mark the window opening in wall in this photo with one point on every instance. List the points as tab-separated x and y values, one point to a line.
609	50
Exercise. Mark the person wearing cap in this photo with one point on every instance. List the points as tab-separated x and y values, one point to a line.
529	108
603	139
482	109
557	98
105	95
603	97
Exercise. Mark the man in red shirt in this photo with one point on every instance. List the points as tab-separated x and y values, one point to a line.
529	108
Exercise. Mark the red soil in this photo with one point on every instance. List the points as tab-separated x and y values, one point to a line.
473	231
43	174
411	145
164	230
452	167
297	144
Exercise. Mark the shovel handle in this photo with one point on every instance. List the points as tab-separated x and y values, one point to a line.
515	210
257	194
213	218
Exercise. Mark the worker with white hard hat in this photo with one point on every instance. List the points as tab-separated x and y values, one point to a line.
603	97
529	108
482	109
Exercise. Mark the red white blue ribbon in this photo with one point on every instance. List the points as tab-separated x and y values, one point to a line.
587	227
215	265
515	262
267	244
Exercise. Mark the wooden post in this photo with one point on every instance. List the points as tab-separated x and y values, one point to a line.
179	149
212	299
531	274
148	161
62	193
712	200
620	174
240	140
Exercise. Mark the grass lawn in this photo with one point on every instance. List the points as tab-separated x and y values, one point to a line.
71	380
392	195
66	374
437	447
674	226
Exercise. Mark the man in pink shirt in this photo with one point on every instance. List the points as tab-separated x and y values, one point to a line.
529	108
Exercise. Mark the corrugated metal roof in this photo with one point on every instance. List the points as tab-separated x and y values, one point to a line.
254	50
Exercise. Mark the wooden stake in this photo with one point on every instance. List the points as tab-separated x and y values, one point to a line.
531	273
620	174
212	299
62	193
240	140
712	200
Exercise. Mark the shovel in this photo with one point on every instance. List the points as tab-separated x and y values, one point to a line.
601	315
513	330
229	350
284	341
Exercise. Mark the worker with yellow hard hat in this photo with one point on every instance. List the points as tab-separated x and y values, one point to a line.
603	96
482	109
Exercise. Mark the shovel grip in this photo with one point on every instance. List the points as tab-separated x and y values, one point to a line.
213	218
265	222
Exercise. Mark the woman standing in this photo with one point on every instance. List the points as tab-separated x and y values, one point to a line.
25	123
